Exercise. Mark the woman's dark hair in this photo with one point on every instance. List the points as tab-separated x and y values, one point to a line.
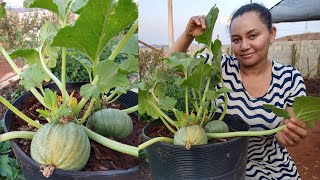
263	13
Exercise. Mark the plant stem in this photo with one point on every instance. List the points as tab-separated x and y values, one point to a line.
154	140
16	134
124	41
114	99
164	115
52	76
195	104
131	110
88	111
199	113
111	96
19	113
18	72
186	94
245	133
63	74
117	146
83	101
167	125
95	74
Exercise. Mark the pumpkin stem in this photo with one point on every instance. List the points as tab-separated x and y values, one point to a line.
47	171
188	145
65	120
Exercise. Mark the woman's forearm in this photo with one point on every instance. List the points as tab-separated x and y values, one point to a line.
181	44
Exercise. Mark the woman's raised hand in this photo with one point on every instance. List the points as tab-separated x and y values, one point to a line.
195	26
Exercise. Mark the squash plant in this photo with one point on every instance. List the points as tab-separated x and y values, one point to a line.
97	23
193	126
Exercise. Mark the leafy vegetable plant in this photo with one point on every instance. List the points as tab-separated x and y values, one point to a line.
98	22
198	80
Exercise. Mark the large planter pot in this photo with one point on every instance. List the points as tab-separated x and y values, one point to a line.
222	160
31	169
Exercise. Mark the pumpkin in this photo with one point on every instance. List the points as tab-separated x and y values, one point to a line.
63	146
190	135
111	123
216	127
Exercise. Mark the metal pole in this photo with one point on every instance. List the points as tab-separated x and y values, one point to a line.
170	23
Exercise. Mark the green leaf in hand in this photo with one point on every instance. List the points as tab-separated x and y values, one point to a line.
206	36
277	111
97	24
307	108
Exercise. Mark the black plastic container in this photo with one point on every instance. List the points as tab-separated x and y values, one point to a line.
222	160
31	169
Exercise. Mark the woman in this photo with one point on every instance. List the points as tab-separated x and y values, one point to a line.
257	80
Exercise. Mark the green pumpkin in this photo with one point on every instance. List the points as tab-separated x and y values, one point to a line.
111	123
216	127
190	135
64	146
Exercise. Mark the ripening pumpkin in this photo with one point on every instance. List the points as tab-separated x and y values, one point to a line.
190	135
111	123
64	146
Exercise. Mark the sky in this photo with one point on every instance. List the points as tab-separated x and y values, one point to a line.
153	18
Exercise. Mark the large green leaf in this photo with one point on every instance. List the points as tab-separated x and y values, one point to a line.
211	18
198	77
307	108
110	76
59	7
2	10
97	24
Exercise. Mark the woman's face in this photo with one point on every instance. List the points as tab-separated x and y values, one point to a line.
250	39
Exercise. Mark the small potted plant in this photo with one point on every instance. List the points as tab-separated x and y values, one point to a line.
62	142
189	148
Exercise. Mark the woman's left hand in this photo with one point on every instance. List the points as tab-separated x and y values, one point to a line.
294	132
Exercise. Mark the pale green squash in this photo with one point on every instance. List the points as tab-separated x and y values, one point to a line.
216	127
111	123
190	135
64	146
